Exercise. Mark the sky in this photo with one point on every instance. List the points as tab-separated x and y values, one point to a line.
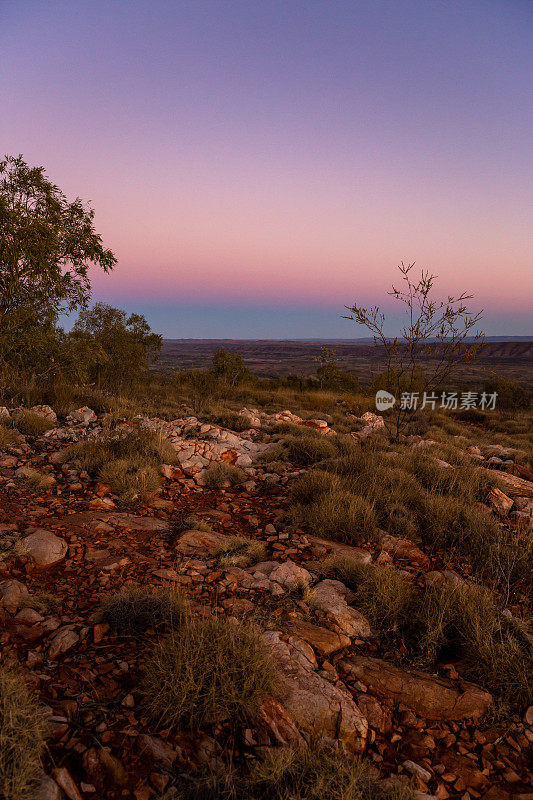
257	165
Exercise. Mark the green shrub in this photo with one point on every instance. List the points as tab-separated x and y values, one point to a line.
134	609
511	395
209	670
219	475
21	738
312	486
231	420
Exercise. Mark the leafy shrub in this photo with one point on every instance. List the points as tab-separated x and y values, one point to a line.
219	475
209	670
134	609
511	394
21	738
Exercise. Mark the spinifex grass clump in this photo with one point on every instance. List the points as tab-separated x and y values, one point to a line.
411	494
21	738
208	670
30	423
220	475
237	551
384	596
311	773
128	461
134	609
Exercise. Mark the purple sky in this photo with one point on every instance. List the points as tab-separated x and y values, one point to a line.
258	165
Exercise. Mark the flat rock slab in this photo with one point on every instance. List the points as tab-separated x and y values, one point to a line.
323	640
344	550
429	696
515	486
121	520
199	543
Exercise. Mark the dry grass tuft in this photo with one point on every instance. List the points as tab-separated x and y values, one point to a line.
21	738
129	462
134	609
29	423
237	551
314	773
221	475
494	651
207	671
37	479
383	595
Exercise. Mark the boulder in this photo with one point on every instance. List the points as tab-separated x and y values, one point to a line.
430	696
45	411
319	709
515	486
45	548
48	789
399	547
13	595
290	576
331	597
83	415
279	724
323	640
499	502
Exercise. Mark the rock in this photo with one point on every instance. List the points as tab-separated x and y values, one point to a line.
83	415
45	548
4	412
170	472
323	640
63	641
119	519
279	724
378	717
46	412
13	595
330	597
199	543
104	768
290	576
499	502
528	716
429	696
398	547
319	709
9	462
444	577
64	779
416	769
515	486
339	549
48	790
157	750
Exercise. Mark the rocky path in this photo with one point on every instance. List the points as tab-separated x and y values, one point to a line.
344	684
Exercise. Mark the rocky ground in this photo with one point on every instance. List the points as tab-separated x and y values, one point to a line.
75	543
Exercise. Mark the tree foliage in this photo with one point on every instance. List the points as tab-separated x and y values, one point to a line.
229	367
117	349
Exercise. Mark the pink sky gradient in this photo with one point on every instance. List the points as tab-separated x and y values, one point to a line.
288	155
